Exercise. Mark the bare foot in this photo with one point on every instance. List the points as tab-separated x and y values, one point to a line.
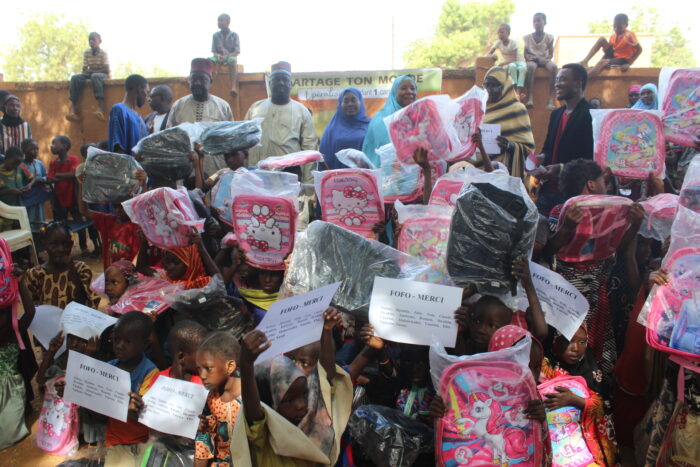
99	115
73	117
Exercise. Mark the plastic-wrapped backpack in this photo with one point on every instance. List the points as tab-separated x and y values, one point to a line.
569	448
659	212
472	107
350	198
446	188
679	95
109	177
58	423
402	182
221	197
290	160
165	154
146	295
225	137
426	123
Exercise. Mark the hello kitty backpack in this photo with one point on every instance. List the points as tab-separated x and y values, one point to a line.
350	198
265	227
472	107
485	423
9	289
569	448
221	197
680	98
58	425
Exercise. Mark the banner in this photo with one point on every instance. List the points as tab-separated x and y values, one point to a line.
319	91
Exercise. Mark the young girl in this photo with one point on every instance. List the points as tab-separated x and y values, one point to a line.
60	280
573	358
217	359
190	266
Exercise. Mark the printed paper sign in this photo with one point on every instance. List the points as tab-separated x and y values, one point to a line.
564	306
489	133
83	321
46	324
97	386
173	406
414	312
295	321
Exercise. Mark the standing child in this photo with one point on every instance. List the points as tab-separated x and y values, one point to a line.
34	198
513	59
539	50
14	180
60	280
622	49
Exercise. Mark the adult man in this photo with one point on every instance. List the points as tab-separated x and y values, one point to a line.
95	69
200	106
126	127
569	135
161	100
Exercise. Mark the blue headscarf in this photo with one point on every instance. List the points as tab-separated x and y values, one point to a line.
654	105
344	131
377	135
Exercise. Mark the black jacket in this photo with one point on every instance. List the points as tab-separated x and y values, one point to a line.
577	139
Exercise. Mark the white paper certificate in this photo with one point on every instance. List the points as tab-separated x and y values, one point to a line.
173	406
489	133
83	321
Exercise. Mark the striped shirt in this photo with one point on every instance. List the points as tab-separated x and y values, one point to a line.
95	63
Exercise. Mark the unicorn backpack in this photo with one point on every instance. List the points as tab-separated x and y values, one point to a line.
600	232
350	198
424	233
569	447
629	141
680	98
485	422
472	107
58	424
221	197
659	212
9	289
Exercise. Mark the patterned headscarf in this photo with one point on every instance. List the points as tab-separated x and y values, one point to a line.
127	269
509	335
189	255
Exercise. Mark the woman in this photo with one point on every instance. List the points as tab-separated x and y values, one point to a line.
347	128
13	130
403	92
504	108
648	98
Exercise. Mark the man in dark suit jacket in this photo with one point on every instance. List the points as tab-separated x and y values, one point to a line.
569	135
160	100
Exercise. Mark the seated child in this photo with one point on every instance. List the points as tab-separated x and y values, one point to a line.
217	360
225	43
126	441
14	180
622	49
539	50
512	57
60	280
34	198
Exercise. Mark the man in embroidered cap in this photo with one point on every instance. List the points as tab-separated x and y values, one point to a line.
200	106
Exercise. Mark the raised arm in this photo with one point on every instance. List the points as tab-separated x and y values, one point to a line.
331	318
254	343
534	314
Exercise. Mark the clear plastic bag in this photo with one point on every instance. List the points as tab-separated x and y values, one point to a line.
388	437
659	212
427	123
165	216
629	141
221	195
446	188
145	295
165	154
354	159
399	181
472	107
686	226
227	137
326	254
109	177
679	99
494	222
290	160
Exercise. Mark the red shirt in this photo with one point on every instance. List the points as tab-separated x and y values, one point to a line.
193	379
119	239
65	190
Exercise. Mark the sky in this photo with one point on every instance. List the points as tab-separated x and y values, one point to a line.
313	35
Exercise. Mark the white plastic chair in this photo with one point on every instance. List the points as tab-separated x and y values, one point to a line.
22	237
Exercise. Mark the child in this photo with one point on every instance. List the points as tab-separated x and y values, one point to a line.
260	299
125	440
14	180
217	359
234	160
573	358
226	46
95	69
512	57
12	376
539	50
60	280
621	50
34	198
62	174
191	266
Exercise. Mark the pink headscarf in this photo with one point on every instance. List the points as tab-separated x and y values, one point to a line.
508	335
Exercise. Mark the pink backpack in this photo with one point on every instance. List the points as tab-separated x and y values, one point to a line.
426	124
485	423
445	192
659	212
681	106
265	227
631	142
9	289
350	199
472	106
667	320
569	448
290	160
600	232
425	237
221	197
58	424
165	216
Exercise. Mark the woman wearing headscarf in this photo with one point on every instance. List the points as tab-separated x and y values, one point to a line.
347	128
504	108
13	130
403	92
648	98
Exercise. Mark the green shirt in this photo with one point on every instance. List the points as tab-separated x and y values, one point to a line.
17	178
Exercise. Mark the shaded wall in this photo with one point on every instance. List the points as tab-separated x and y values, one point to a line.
45	104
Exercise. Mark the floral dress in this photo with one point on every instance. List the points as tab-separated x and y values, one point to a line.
214	442
11	398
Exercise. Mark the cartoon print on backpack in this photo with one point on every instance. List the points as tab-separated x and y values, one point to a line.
350	203
263	233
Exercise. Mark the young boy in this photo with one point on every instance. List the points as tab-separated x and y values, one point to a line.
95	69
14	180
34	198
234	161
125	441
513	59
539	50
226	46
621	50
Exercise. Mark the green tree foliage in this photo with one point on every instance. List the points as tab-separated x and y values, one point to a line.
670	48
464	31
123	69
49	49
